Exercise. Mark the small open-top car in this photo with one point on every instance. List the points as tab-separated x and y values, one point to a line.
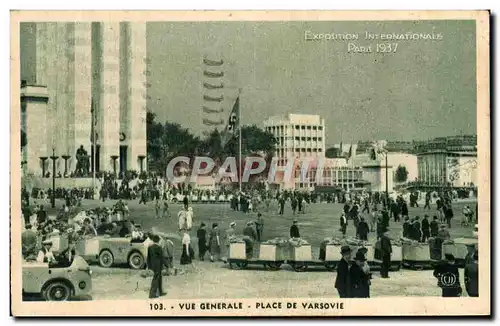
109	251
57	283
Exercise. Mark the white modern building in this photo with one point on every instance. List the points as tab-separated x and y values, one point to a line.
456	169
298	135
448	161
84	66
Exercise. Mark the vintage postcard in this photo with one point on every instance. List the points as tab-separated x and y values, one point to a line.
248	163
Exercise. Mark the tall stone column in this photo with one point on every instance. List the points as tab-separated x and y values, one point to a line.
81	116
109	135
137	85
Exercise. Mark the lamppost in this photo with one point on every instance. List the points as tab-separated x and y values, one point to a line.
53	158
386	176
43	159
66	158
114	158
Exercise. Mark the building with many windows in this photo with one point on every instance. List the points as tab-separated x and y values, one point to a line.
448	161
298	135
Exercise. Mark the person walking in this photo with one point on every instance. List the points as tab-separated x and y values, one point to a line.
294	230
165	212
386	250
434	226
155	262
187	250
343	282
259	226
426	231
427	201
471	275
343	224
359	276
281	201
214	242
417	229
157	208
201	234
362	230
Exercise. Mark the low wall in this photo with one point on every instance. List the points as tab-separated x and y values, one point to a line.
45	183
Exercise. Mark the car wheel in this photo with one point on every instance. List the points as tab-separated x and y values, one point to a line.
57	291
136	260
106	258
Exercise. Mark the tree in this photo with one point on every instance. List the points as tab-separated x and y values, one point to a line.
332	152
401	174
254	140
166	141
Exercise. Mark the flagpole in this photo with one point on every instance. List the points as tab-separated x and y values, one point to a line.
94	147
240	176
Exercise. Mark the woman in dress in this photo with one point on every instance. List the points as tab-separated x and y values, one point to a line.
214	242
187	250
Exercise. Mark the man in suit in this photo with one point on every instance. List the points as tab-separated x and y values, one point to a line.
342	282
343	224
386	250
406	227
363	229
259	226
28	242
41	215
471	274
434	226
155	262
294	230
426	232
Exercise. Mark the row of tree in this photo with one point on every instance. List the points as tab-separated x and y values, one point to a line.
168	140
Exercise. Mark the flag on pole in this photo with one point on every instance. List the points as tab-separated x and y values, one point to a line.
93	129
233	123
350	153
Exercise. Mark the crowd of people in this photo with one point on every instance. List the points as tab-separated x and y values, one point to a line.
368	212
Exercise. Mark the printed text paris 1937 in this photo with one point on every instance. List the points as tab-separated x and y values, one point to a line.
369	42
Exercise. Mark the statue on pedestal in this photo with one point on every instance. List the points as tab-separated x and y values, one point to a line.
82	162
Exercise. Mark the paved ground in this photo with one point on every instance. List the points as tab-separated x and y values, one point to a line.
216	280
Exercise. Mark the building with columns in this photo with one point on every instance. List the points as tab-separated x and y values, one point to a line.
90	73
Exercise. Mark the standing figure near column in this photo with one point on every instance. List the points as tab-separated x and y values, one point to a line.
386	248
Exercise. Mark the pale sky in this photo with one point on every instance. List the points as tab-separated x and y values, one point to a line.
426	89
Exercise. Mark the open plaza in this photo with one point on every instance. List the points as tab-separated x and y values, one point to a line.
216	280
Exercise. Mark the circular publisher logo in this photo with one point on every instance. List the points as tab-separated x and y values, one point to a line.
448	279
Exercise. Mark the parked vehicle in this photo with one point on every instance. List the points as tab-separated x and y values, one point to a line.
108	251
57	283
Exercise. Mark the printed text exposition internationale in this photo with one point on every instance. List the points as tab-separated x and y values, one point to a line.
394	36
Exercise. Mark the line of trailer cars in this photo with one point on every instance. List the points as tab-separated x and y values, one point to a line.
56	283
